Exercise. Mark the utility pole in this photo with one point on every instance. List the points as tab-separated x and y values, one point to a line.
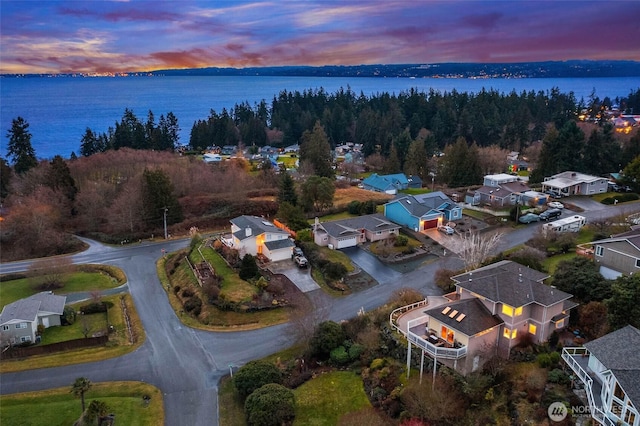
165	222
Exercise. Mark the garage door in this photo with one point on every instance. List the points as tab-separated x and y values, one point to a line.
348	242
430	224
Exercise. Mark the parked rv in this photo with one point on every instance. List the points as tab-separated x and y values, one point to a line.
568	224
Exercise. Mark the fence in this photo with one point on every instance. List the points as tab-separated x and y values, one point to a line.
20	352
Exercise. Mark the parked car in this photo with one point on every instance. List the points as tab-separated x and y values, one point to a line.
550	214
297	251
446	229
301	261
556	205
528	218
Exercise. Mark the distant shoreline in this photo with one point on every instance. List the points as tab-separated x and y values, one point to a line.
549	69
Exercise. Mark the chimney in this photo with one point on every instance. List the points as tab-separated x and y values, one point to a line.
247	232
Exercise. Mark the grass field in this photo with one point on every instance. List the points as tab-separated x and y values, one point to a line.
60	407
344	196
323	400
86	280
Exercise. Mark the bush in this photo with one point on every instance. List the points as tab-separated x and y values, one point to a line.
400	241
186	293
339	356
355	351
327	336
354	207
558	376
176	289
334	270
544	360
193	305
68	315
254	375
270	405
248	268
94	308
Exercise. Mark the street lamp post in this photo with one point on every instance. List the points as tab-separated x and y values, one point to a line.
165	222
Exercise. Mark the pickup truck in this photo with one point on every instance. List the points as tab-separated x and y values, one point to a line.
301	261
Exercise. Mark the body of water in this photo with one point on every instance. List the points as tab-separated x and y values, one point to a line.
60	109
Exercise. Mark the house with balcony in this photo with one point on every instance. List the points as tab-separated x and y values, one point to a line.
519	296
353	231
618	255
490	310
609	368
574	183
423	212
258	236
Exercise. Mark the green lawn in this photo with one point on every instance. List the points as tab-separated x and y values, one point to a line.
321	401
60	407
233	287
415	191
13	290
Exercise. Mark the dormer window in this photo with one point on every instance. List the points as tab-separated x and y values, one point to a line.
599	251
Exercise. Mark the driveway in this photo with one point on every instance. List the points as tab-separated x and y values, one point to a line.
585	203
372	265
450	243
301	277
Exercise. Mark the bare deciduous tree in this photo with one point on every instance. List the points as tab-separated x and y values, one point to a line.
303	323
474	248
48	273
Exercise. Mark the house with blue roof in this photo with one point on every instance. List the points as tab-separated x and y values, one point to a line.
424	211
391	184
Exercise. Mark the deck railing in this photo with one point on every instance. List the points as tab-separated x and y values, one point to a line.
430	348
568	355
396	313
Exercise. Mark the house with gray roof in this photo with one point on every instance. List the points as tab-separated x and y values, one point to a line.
618	255
19	320
519	296
609	368
353	231
491	309
574	183
423	212
258	236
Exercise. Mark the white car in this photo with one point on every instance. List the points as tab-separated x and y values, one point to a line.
446	229
556	205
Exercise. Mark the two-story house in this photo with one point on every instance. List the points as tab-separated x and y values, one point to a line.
258	236
390	184
609	368
19	320
492	308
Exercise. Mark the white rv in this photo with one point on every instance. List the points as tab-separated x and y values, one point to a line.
567	224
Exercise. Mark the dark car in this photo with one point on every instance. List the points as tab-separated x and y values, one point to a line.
550	214
528	218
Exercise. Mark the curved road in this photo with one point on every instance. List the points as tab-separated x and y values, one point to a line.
187	364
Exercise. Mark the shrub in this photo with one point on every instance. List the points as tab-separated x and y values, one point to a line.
354	207
400	241
327	336
558	376
248	268
68	315
176	289
339	356
270	405
254	375
186	293
94	308
193	305
378	363
443	279
355	351
543	360
554	357
334	270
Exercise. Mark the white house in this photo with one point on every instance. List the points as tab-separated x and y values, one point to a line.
19	320
609	367
255	235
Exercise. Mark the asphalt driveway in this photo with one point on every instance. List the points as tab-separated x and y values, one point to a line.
372	265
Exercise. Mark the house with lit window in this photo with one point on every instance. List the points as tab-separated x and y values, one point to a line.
609	368
519	296
574	183
19	320
423	211
258	236
490	310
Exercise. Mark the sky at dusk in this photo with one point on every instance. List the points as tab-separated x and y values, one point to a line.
117	36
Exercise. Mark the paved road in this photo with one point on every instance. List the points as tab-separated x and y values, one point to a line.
186	364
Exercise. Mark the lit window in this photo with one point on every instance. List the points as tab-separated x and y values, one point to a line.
507	310
560	323
509	333
519	311
599	251
618	392
532	329
629	417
